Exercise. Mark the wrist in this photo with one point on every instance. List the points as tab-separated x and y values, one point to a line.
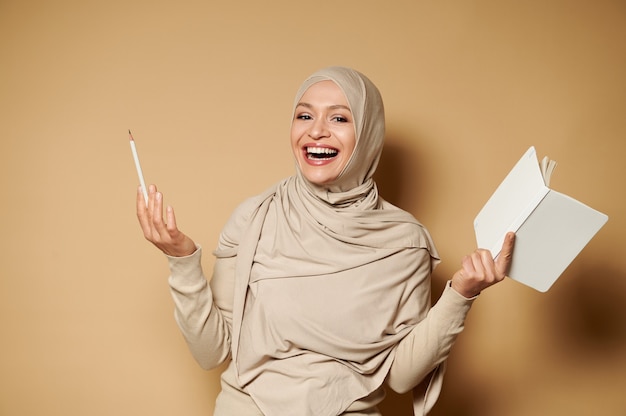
463	291
184	250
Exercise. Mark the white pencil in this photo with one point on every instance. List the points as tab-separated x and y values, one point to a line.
138	166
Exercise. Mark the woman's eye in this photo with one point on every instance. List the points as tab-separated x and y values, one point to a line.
340	119
303	117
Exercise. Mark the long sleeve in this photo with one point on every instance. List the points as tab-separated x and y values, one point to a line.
430	341
203	312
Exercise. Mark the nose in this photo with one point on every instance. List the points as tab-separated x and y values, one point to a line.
319	129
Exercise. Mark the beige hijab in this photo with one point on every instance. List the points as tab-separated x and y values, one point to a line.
326	280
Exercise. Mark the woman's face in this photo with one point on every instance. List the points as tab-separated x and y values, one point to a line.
322	132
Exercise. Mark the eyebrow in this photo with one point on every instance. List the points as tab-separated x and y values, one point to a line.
330	107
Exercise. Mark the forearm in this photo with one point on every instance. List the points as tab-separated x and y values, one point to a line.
430	341
204	326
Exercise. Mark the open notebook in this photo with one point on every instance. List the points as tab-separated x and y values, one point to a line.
551	228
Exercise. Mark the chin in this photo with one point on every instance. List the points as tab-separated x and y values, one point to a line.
318	175
319	181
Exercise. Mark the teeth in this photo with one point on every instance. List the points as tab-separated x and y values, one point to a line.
321	150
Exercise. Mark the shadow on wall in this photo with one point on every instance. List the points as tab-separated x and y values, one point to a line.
589	316
397	176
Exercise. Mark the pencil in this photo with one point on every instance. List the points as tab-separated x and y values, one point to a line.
138	166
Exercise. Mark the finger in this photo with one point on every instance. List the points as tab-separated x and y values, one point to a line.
150	231
503	262
172	228
151	196
478	263
467	265
140	207
140	202
142	214
157	216
491	273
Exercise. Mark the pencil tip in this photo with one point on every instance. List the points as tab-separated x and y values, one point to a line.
130	134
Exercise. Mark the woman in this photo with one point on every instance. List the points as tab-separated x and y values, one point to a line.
320	295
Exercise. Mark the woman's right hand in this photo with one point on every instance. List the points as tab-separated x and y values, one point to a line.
165	235
479	270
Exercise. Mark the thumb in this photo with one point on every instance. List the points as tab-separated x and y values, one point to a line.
503	262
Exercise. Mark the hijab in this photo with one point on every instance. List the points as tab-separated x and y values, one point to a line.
367	109
327	282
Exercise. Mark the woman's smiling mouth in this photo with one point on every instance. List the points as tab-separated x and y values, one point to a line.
320	153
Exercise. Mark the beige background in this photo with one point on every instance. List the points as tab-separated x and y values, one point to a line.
206	87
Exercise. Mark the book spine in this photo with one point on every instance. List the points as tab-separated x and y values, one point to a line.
520	219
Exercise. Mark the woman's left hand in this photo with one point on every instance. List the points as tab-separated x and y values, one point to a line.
479	270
